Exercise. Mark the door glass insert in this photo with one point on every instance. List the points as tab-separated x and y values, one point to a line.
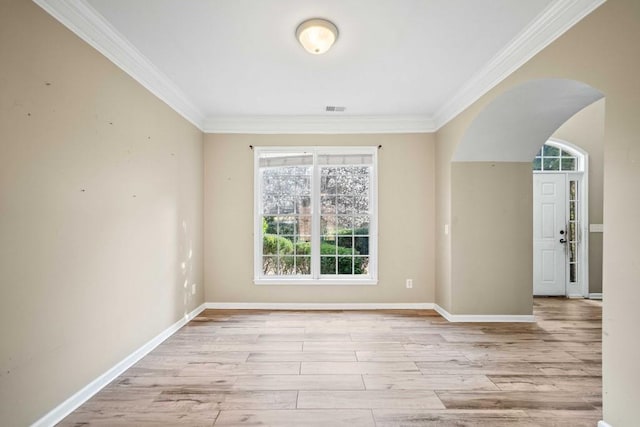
573	232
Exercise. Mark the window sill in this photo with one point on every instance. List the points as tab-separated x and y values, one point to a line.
316	282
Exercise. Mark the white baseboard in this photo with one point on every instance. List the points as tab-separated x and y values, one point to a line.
481	318
368	306
603	424
597	295
73	402
318	306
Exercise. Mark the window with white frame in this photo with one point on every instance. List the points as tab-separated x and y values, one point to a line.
552	157
315	215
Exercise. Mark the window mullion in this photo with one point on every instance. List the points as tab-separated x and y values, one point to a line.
315	218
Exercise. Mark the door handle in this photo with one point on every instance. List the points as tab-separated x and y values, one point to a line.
563	241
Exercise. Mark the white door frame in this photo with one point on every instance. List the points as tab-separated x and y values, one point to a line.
582	175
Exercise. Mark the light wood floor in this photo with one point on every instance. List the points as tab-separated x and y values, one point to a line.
364	368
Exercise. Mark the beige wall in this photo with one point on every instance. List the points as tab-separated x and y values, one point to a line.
405	208
586	130
79	268
100	206
444	153
491	234
601	51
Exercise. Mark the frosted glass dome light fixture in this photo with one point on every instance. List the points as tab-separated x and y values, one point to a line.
317	35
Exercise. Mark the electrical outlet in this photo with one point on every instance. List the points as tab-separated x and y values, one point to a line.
193	289
409	283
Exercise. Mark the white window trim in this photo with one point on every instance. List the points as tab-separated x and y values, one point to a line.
372	277
581	156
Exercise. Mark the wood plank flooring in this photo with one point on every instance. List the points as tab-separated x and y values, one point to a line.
364	368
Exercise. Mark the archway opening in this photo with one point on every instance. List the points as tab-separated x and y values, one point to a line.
491	194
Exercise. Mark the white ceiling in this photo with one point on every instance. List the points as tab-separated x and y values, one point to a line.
398	65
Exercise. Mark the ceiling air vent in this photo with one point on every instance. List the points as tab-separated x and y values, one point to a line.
333	108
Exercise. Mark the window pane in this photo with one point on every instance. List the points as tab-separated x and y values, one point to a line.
361	186
269	265
328	224
572	211
328	264
303	265
286	189
269	204
328	183
269	245
287	225
276	245
269	225
302	245
303	204
361	204
573	190
345	204
573	273
286	265
285	245
328	204
328	247
345	241
568	164
345	222
361	224
548	150
304	226
361	265
345	265
572	252
551	164
361	245
286	205
303	186
346	178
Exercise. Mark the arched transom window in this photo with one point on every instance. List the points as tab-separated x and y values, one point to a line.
553	157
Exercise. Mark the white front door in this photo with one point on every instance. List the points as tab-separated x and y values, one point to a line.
549	233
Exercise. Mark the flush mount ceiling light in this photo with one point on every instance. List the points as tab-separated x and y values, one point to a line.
317	35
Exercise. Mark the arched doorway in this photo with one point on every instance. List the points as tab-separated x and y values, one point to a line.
560	221
491	206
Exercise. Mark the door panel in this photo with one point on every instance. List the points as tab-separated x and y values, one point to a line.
549	218
549	266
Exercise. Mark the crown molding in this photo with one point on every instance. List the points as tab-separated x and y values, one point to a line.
90	26
318	124
554	21
79	17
